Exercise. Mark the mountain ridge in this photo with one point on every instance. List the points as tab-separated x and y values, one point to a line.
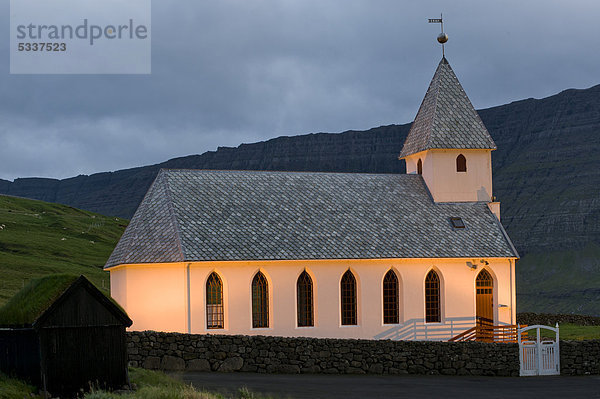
529	123
546	175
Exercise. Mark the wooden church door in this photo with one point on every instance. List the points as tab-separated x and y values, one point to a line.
485	298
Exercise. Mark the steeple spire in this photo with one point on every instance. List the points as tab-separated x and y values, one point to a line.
446	118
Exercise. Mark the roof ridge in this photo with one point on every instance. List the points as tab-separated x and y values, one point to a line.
435	104
172	215
280	171
504	233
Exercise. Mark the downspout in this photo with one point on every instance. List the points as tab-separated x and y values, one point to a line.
189	301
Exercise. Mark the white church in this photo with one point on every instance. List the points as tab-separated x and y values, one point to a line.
421	255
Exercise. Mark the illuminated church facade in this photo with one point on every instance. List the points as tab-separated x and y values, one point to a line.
420	255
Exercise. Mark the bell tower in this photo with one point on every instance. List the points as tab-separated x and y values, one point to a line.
449	145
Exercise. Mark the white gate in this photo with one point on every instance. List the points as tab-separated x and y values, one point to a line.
539	357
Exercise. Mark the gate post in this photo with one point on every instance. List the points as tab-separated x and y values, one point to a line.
538	348
557	351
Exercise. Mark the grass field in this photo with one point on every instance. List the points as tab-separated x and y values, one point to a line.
11	388
575	332
569	331
150	385
39	238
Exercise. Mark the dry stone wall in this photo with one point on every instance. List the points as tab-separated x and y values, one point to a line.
262	354
580	357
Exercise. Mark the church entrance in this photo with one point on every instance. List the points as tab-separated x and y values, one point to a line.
485	299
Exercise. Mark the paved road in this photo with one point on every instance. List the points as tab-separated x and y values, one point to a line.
369	386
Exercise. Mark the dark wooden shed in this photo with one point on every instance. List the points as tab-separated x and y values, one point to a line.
62	334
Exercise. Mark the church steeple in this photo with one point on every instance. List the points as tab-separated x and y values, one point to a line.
446	118
448	143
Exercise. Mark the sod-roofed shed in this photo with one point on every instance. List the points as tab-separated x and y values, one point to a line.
61	333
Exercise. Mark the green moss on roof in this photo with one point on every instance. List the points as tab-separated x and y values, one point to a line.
34	299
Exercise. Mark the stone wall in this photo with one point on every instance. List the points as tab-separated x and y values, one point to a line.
169	351
580	357
226	353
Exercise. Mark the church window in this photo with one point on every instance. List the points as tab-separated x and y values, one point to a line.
260	301
419	167
348	298
304	292
391	298
461	163
214	302
432	298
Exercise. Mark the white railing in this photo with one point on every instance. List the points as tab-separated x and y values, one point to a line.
418	330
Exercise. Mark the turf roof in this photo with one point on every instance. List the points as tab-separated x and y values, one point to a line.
34	299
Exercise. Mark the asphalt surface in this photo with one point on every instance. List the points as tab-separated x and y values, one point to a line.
313	386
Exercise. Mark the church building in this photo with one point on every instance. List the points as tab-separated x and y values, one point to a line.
420	255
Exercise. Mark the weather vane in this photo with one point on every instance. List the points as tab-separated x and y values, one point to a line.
442	37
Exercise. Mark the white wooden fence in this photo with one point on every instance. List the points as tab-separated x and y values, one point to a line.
418	330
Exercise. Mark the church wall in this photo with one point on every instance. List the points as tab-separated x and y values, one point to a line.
118	285
446	184
473	185
157	296
153	295
412	160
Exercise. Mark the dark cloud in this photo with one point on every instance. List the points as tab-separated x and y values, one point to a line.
227	72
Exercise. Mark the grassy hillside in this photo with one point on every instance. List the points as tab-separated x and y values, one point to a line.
560	281
39	238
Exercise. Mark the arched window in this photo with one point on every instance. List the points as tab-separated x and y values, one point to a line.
419	167
260	301
391	301
214	302
304	290
461	163
348	298
432	298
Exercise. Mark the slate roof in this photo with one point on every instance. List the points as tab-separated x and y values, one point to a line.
208	215
446	118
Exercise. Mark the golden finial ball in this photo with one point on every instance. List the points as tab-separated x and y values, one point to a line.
442	38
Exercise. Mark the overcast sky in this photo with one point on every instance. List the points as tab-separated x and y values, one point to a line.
231	72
